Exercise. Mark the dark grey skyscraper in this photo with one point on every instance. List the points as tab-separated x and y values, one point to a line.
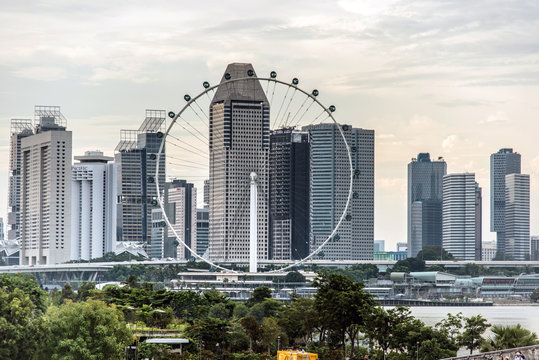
289	194
502	163
330	174
136	154
239	145
203	231
425	179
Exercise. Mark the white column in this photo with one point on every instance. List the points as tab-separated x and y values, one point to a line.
253	243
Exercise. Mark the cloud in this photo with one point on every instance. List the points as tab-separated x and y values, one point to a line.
449	142
498	116
41	73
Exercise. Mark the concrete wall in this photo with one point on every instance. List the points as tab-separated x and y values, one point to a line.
530	352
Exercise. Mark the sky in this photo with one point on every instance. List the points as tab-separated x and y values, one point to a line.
458	79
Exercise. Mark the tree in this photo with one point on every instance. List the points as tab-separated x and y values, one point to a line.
342	305
259	294
506	337
294	277
252	329
132	281
21	328
474	327
434	253
270	331
90	330
409	265
28	284
219	311
67	293
535	295
84	290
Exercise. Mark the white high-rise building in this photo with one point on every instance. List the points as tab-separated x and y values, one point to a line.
182	201
94	189
46	190
459	231
239	145
517	216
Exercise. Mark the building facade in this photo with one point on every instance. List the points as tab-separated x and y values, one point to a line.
136	156
459	215
93	206
289	194
330	185
203	231
425	179
239	145
502	163
46	190
182	199
517	216
534	252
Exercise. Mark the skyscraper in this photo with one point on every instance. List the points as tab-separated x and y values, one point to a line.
206	194
203	231
329	178
46	190
424	202
517	216
478	223
239	145
181	198
136	156
93	206
289	194
502	163
459	215
20	128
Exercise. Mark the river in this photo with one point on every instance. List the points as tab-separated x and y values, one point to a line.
526	316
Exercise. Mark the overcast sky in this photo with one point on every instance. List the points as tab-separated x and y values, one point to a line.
458	79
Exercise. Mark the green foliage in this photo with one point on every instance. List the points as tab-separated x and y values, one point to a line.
84	291
294	277
506	337
21	328
240	310
259	294
434	253
409	265
67	293
474	327
28	285
300	320
210	332
90	330
358	272
535	295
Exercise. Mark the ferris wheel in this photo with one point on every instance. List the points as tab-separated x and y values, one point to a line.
209	137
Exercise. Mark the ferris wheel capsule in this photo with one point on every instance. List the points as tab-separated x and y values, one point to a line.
273	74
295	81
206	84
186	97
315	92
227	76
171	114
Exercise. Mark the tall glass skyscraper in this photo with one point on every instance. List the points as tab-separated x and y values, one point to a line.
239	145
330	174
289	194
517	216
425	178
502	163
136	156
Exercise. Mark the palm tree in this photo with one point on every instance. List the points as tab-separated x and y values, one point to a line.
507	337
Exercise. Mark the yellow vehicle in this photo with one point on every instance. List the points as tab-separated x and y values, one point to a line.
296	355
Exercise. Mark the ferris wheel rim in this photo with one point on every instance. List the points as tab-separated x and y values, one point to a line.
160	200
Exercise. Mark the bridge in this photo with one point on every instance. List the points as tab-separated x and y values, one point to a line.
90	271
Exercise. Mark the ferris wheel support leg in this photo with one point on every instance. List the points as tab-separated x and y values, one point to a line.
253	239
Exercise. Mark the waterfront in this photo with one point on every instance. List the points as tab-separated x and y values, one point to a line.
526	315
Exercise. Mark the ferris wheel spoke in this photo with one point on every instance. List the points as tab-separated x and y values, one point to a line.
283	120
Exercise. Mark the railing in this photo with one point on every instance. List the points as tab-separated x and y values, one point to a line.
530	352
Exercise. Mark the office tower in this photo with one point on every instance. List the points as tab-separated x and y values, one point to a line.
517	216
239	145
93	206
20	128
182	196
488	250
158	239
534	244
379	245
502	163
459	215
478	222
424	202
46	190
203	231
289	194
330	184
136	156
206	194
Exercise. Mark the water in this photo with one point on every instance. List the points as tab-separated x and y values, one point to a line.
526	316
